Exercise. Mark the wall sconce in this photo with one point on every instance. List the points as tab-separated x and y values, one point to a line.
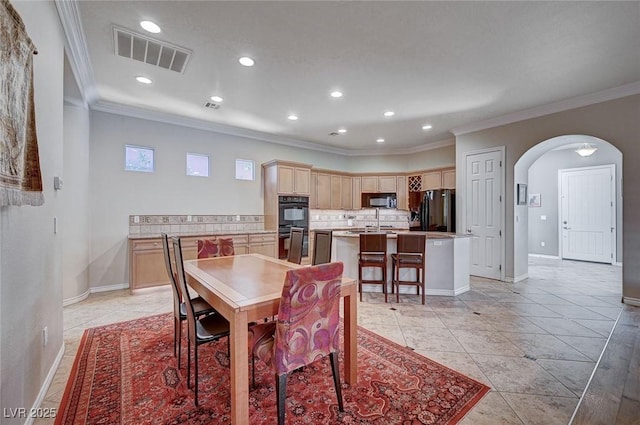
586	149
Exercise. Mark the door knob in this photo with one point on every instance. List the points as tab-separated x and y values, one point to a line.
567	228
469	230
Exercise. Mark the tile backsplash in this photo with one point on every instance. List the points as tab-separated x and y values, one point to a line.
341	219
153	225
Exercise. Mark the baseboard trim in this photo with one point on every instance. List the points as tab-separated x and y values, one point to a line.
517	278
552	257
108	288
76	299
46	384
631	301
618	263
409	290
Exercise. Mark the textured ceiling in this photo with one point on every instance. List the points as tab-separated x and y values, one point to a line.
448	64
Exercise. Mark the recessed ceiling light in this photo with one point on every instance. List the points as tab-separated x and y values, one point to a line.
293	117
342	130
246	61
380	140
144	80
389	114
217	99
426	127
150	26
336	94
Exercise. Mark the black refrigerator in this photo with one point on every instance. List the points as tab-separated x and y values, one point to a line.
438	211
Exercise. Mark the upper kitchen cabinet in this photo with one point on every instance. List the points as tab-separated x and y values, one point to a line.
379	184
290	178
402	193
431	180
347	192
323	191
449	179
357	192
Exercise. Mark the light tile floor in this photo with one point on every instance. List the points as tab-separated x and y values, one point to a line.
535	343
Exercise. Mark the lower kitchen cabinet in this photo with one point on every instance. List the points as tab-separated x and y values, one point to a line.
146	259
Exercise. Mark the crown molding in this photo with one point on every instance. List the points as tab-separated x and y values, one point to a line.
551	108
76	49
198	124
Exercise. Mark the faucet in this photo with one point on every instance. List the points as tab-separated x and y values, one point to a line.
378	220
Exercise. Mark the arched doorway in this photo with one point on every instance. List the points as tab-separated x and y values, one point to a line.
536	227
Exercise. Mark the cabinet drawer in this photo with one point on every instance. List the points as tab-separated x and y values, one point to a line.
259	238
145	244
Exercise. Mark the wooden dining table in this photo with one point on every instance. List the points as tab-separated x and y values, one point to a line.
247	288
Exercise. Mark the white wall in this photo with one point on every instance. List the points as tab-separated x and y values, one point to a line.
116	194
30	264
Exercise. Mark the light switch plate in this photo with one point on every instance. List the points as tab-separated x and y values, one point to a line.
543	217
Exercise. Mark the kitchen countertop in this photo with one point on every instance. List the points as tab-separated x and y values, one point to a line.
393	234
201	234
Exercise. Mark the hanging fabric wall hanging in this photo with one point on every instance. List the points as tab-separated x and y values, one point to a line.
20	176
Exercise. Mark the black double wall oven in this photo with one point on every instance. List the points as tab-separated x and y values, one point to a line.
293	212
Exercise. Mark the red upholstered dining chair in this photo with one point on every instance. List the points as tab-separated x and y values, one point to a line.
215	247
306	329
200	306
199	330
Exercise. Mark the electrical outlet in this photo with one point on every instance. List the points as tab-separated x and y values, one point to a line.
542	243
238	217
45	336
543	217
136	219
189	218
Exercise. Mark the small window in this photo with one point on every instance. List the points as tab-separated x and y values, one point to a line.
197	165
245	169
138	158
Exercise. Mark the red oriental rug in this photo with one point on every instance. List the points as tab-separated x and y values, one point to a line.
125	373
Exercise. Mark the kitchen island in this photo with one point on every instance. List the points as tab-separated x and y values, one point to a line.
447	262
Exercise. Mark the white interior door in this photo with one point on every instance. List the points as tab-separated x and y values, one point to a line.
483	213
587	213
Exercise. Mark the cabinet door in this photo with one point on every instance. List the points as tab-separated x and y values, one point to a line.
301	181
336	192
369	184
313	191
432	180
285	179
148	269
402	193
347	193
264	244
449	179
324	191
387	184
357	193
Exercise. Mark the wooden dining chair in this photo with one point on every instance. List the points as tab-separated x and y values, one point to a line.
215	247
410	255
373	254
199	330
200	306
322	247
306	329
296	239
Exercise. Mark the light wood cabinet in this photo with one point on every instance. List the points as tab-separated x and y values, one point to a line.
369	184
432	180
323	191
146	256
336	192
347	192
449	179
402	195
387	184
313	191
357	193
293	180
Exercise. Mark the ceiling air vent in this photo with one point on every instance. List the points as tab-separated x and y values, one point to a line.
212	105
154	52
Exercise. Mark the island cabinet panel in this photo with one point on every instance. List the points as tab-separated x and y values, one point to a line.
357	193
449	179
324	191
387	184
369	184
347	193
432	180
336	192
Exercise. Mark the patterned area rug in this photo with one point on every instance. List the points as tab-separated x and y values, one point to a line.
125	373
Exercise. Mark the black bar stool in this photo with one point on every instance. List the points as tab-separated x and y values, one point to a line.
373	253
411	254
